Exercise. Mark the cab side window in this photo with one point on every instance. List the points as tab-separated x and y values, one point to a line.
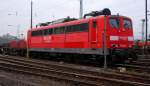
94	24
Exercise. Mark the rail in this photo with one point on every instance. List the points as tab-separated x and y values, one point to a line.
73	74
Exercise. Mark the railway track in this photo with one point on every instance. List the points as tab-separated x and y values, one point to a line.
141	65
135	68
7	81
144	56
60	71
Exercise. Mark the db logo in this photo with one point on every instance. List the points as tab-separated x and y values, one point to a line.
47	39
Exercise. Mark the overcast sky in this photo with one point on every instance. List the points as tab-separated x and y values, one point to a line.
16	13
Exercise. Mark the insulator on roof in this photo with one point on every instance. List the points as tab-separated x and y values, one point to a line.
105	11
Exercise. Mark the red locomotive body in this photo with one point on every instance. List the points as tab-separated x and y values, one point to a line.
85	36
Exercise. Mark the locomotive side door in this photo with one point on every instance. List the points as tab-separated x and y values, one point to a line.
93	34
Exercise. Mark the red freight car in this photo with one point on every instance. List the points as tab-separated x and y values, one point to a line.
13	44
141	44
85	36
22	44
16	47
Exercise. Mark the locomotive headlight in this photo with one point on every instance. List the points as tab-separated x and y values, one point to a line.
130	38
114	45
114	38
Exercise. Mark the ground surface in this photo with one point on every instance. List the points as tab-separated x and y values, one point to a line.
9	78
16	79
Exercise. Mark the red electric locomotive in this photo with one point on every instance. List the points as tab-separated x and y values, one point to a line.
93	36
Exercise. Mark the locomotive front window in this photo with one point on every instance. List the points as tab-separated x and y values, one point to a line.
114	23
127	23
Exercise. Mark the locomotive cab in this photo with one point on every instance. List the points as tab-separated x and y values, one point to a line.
120	37
121	32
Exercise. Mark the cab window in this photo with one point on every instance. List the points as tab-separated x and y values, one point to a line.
114	23
94	24
127	23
